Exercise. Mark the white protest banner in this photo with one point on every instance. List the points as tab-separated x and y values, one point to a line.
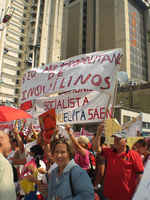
77	106
94	71
6	125
133	128
143	190
84	132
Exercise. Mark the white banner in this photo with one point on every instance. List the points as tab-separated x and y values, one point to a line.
143	190
133	128
6	125
78	106
94	71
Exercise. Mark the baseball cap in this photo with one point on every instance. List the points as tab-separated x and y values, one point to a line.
120	134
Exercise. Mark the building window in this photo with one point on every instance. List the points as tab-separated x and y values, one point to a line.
30	55
138	54
34	7
35	1
16	91
30	47
15	100
20	55
84	18
23	23
144	125
5	50
18	73
17	81
126	118
21	38
19	64
33	14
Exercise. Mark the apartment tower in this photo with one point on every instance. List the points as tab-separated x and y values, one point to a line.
31	38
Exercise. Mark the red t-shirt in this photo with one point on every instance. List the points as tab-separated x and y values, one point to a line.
121	173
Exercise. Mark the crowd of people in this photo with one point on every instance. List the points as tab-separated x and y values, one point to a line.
33	167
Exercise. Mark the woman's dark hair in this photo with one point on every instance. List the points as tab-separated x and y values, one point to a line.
38	154
62	140
141	142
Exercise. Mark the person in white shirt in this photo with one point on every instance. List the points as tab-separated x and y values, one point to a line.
7	186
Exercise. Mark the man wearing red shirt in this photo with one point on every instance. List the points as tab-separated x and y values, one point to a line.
123	171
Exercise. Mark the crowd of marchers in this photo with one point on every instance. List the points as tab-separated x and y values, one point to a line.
33	167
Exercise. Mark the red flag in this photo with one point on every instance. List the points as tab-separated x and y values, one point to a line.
26	106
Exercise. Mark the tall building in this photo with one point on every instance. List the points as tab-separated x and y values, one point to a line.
12	47
106	24
50	50
31	37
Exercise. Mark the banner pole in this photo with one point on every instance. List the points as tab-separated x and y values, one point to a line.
107	106
114	100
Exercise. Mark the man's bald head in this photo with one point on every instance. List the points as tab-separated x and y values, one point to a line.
4	143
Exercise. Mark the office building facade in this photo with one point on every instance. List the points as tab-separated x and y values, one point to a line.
106	24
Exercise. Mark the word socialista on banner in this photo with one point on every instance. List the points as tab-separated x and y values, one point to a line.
95	71
77	106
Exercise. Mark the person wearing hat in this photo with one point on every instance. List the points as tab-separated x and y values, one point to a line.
124	168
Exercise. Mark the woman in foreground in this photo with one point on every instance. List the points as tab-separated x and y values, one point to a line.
68	181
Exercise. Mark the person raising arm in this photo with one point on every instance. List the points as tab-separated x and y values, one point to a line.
81	149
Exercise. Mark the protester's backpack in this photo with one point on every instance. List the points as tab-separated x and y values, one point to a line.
96	196
92	169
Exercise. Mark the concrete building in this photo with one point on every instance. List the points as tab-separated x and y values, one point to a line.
30	38
12	47
106	24
131	101
127	115
50	50
134	97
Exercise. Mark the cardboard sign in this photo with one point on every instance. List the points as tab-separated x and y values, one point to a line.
47	122
132	140
111	126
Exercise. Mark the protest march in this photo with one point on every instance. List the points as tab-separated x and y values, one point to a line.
43	156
